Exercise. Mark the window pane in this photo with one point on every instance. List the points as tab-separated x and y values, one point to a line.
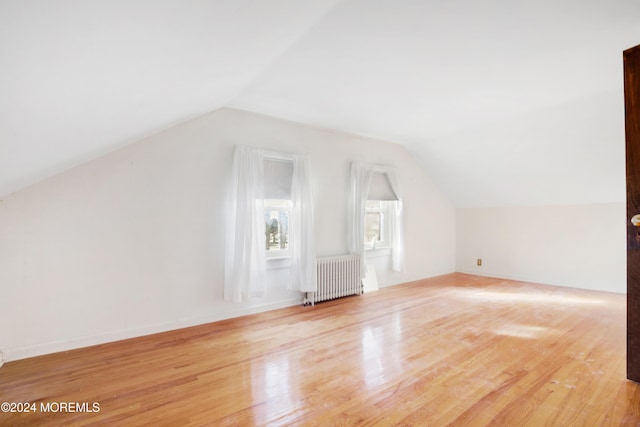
372	227
276	229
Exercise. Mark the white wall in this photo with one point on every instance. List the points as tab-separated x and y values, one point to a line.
581	246
132	243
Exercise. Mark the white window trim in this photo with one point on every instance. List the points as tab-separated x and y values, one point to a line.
378	252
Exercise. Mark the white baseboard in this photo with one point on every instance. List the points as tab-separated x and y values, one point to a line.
533	280
10	354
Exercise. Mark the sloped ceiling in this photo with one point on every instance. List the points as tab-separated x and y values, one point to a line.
502	102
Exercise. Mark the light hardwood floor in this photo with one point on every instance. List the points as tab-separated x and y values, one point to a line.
453	350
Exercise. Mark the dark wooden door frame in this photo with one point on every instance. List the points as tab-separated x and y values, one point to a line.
631	59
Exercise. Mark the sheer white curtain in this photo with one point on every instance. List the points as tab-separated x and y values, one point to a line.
361	177
397	228
245	257
301	234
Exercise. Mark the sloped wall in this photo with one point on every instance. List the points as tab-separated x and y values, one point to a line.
133	242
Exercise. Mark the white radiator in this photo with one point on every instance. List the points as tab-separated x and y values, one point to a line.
338	276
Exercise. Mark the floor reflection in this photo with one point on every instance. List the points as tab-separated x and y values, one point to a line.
522	331
534	297
382	352
275	388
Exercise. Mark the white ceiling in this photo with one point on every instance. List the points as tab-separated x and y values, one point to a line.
502	102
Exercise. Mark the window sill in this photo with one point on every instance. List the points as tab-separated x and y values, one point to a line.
377	252
278	262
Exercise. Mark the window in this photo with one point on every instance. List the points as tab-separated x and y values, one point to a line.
278	174
276	217
259	176
376	224
375	213
377	217
373	228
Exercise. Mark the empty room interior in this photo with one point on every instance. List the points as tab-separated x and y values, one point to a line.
323	212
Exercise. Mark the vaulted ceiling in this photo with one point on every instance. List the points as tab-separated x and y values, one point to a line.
502	102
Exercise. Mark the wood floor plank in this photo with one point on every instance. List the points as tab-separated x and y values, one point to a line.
453	350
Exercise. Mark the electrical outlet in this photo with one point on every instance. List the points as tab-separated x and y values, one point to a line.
479	261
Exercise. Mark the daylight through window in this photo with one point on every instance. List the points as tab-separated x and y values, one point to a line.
276	217
375	224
